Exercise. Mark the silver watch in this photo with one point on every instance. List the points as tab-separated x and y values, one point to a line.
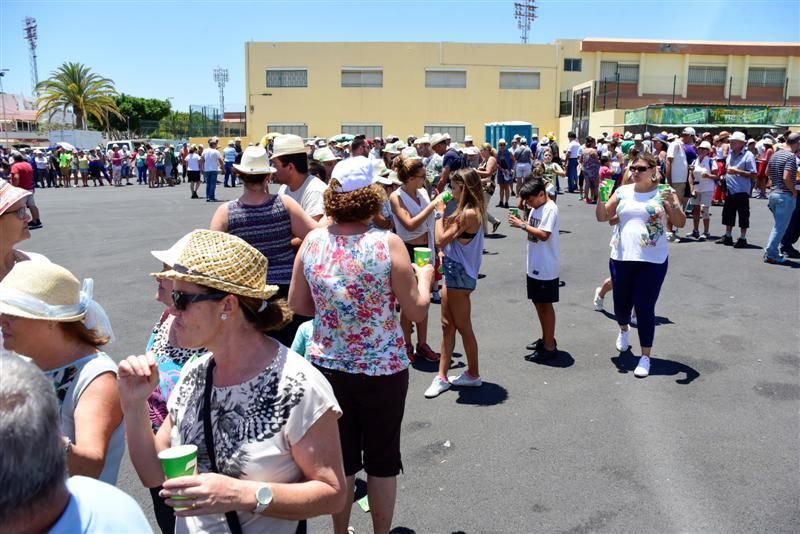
524	226
437	215
263	498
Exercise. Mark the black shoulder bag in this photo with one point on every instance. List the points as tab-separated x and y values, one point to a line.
231	517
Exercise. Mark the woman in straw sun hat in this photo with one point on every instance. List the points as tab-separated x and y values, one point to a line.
272	450
50	317
349	277
267	222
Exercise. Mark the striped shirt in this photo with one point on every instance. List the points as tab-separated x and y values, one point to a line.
268	228
781	161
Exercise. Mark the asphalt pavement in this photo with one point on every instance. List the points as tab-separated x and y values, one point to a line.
707	443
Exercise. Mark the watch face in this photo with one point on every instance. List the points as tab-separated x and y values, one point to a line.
264	495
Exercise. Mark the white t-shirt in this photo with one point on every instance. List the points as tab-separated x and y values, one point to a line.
639	236
680	167
573	149
255	425
543	258
193	162
703	180
308	195
211	157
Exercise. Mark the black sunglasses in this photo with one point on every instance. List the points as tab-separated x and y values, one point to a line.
639	168
181	300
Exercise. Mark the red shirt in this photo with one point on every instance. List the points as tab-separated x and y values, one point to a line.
24	173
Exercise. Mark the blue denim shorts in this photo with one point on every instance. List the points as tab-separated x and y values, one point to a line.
455	277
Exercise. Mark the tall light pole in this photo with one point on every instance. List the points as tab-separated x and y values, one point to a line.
3	97
221	77
525	13
29	25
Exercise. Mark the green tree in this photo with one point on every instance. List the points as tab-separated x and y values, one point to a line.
74	85
136	110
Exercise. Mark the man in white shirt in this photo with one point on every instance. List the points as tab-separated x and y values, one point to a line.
211	161
678	171
291	165
573	152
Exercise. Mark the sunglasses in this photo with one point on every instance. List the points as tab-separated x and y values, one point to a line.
639	168
181	300
21	213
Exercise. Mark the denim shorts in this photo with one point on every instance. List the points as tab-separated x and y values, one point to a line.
455	277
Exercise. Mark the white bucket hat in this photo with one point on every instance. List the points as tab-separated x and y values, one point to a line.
254	161
288	144
437	138
410	153
325	154
738	136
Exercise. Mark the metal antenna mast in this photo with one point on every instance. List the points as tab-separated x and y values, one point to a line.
221	77
29	25
525	13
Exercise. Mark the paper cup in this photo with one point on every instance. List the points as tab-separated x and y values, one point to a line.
447	197
422	256
180	461
514	212
605	193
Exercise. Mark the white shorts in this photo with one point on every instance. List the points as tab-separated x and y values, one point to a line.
522	171
704	199
116	171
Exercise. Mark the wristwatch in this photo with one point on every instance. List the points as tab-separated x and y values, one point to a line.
524	226
437	215
263	498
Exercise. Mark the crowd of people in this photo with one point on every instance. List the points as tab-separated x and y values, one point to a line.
283	350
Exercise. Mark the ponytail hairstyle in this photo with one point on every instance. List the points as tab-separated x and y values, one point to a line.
406	168
265	316
537	171
471	194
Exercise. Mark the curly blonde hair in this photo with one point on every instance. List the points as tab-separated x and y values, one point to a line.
353	206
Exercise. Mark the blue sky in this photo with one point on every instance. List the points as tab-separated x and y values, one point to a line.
169	48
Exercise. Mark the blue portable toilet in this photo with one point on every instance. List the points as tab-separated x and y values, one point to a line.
507	130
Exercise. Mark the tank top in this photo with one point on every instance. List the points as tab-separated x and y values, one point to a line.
267	228
550	173
414	206
468	255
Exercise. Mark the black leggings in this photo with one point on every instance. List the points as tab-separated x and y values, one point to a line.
637	285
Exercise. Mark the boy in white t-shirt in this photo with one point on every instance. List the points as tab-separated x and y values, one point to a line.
543	263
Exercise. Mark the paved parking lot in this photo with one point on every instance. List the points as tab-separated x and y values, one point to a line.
707	443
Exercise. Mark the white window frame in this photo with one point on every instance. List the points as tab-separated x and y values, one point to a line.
449	84
710	75
456	131
515	80
285	70
766	77
295	128
371	131
366	76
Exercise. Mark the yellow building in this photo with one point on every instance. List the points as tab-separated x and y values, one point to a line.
321	89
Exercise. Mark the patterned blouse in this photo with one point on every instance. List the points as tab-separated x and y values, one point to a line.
356	328
639	236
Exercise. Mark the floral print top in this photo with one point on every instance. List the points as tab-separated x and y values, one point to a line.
356	328
639	236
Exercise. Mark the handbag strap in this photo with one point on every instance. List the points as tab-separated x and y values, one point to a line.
231	517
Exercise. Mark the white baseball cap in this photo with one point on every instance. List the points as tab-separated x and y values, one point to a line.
467	138
353	174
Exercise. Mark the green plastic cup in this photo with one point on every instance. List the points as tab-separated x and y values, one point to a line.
180	461
514	212
447	197
605	193
422	256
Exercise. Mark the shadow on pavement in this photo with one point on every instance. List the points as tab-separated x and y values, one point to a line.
626	363
562	361
659	319
495	236
489	394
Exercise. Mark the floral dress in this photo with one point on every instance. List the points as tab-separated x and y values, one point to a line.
356	328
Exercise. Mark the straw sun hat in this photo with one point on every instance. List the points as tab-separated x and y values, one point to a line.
43	291
223	262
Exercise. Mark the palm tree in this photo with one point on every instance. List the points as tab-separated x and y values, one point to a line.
74	85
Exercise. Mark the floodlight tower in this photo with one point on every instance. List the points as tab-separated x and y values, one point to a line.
525	13
221	77
29	25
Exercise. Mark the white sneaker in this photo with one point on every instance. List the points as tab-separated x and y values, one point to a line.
598	300
643	369
437	387
633	319
622	341
465	380
670	237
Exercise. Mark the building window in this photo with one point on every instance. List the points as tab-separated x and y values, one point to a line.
446	79
706	75
370	130
565	103
287	78
627	72
289	128
519	80
572	64
456	131
766	77
362	77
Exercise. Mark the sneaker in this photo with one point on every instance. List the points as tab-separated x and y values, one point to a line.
598	300
670	236
437	387
704	236
622	340
774	261
740	243
725	240
695	234
542	355
465	380
426	352
538	344
495	226
790	252
643	369
633	319
34	225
